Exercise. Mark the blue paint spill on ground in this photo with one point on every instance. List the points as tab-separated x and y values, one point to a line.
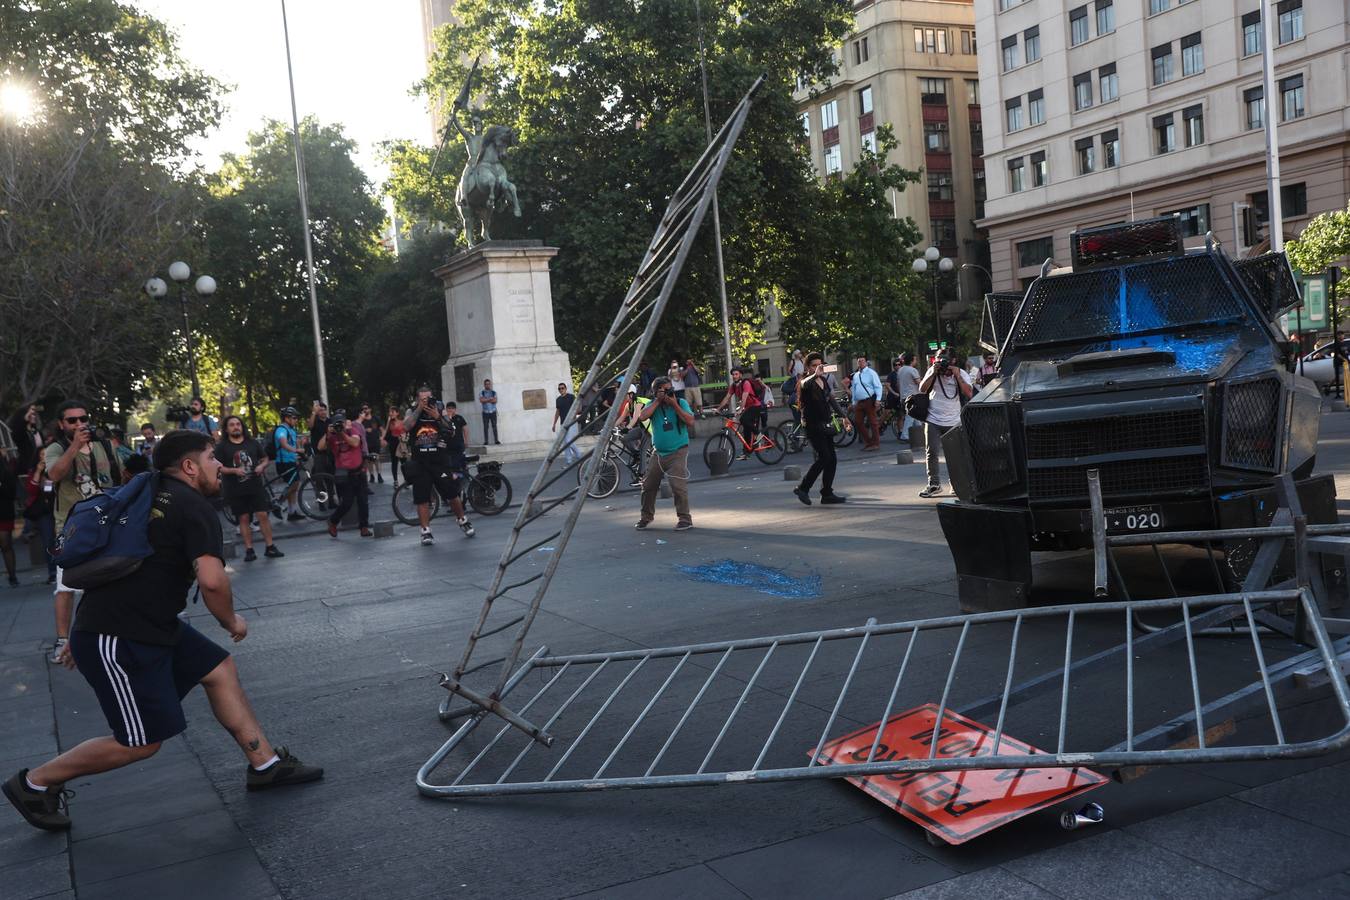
774	582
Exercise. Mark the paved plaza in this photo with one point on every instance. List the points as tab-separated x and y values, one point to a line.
346	637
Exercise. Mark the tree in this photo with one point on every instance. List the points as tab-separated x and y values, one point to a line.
606	98
1323	242
95	195
870	301
259	316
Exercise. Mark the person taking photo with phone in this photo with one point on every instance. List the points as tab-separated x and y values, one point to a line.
817	404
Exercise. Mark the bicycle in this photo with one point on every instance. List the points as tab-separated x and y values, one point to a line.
317	491
487	491
616	452
769	445
797	441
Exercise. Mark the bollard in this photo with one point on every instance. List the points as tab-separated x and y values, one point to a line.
719	463
904	457
792	473
916	437
664	492
231	549
383	529
37	554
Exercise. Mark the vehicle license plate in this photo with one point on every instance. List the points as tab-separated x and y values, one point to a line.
1125	519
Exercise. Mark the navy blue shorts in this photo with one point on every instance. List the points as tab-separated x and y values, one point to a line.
140	686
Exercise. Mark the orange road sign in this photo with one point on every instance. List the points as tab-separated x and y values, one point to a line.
955	806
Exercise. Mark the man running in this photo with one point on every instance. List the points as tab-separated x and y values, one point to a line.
141	659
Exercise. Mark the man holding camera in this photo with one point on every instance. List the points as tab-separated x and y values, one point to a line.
80	466
437	436
345	441
198	420
947	387
817	403
671	419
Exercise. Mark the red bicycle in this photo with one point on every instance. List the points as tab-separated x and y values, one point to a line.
769	445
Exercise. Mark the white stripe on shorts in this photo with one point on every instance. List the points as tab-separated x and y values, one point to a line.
126	701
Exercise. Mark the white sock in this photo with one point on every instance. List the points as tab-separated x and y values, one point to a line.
31	786
269	764
426	529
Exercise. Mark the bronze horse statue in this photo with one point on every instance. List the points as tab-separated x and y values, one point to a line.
483	187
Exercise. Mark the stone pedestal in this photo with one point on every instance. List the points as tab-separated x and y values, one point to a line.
499	305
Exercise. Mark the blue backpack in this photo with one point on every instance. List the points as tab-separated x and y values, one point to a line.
107	536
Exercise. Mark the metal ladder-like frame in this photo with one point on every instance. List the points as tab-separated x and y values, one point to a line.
617	360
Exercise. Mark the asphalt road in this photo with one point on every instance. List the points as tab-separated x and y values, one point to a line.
347	635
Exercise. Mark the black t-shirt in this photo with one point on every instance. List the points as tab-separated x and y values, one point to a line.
372	435
432	433
144	606
319	430
564	405
244	455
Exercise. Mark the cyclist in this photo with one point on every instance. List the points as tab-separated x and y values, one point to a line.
287	441
437	437
744	390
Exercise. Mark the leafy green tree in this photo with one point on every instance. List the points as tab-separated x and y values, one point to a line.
1324	241
259	317
96	194
868	300
605	96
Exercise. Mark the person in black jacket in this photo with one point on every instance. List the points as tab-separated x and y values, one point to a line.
817	403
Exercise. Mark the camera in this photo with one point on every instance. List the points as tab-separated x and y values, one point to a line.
177	413
337	423
943	364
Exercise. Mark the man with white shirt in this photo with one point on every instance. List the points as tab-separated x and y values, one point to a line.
866	392
947	387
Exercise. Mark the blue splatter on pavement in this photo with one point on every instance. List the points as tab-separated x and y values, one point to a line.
774	582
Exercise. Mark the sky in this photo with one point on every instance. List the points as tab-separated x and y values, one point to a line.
354	63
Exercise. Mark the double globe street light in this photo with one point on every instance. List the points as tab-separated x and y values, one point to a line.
934	262
205	286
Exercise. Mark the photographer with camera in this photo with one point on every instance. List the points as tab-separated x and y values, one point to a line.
671	419
344	442
437	436
817	403
80	466
947	387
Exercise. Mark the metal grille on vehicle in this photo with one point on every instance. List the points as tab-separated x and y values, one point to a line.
1146	431
988	432
1252	423
1111	245
1131	477
1000	310
1271	281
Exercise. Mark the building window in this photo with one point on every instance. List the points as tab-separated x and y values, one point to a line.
1078	26
1291	98
1162	64
972	92
969	46
1086	152
935	137
1040	169
1036	107
1194	119
869	141
1110	149
1014	109
834	160
1031	41
1108	86
1016	175
861	52
1254	106
939	185
942	232
1157	6
978	176
865	101
1164	133
1192	55
1009	53
1035	252
933	91
806	124
1194	219
1251	33
1082	91
1007	4
1294	199
977	139
1106	17
930	40
1291	20
829	115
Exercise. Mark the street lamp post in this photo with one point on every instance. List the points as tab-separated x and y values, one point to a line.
205	286
944	264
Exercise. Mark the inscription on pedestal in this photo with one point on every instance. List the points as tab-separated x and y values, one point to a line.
534	399
521	303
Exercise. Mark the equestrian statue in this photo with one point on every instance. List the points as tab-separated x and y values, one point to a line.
483	187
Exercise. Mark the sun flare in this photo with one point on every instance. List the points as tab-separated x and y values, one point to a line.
17	103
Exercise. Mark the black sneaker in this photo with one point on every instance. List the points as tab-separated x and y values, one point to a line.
43	809
427	539
931	491
273	553
641	525
466	526
13	581
249	555
830	499
803	495
295	517
286	770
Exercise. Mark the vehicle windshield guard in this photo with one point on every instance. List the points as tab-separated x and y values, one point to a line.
1129	302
